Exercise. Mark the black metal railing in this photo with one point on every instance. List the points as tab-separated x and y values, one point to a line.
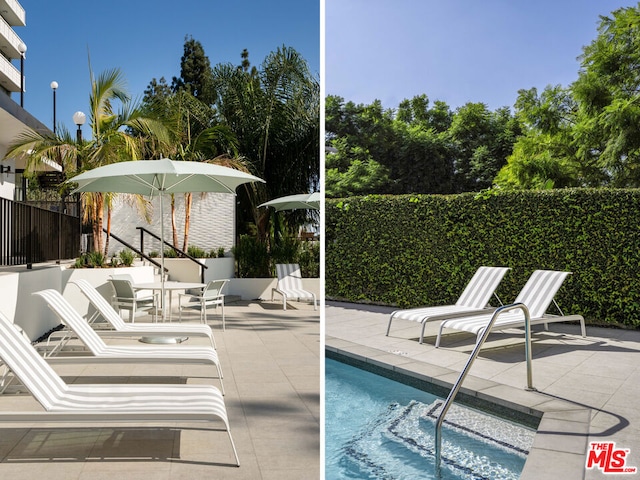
176	249
134	249
29	234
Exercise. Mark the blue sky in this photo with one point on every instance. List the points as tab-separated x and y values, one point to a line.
145	39
457	51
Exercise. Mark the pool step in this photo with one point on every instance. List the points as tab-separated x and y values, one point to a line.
403	442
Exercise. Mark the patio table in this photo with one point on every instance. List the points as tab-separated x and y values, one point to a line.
169	287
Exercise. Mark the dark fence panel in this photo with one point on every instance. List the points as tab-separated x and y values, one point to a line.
32	235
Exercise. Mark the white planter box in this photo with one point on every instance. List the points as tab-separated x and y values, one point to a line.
260	288
185	270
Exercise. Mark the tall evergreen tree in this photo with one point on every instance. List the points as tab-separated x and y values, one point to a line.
195	73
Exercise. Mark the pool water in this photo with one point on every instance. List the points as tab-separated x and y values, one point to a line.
376	428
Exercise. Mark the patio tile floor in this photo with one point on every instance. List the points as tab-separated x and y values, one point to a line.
271	365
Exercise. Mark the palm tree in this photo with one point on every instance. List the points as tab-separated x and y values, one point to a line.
115	136
275	113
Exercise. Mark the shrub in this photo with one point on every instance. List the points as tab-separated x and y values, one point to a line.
252	258
127	257
96	259
309	259
196	252
412	250
286	249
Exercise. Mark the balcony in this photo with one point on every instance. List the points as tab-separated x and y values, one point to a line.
9	76
13	13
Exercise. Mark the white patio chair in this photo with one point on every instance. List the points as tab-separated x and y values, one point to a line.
103	353
290	285
126	298
537	295
122	328
123	403
473	300
209	296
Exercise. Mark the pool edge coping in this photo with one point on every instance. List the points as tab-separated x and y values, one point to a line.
561	439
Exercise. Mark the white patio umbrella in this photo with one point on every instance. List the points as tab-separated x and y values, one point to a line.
159	177
308	201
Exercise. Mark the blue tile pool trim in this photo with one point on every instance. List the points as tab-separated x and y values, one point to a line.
527	420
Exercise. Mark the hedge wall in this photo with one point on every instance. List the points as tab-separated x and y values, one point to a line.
414	250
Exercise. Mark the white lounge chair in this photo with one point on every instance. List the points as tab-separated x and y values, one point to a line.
473	301
209	296
122	328
102	353
290	284
537	295
123	403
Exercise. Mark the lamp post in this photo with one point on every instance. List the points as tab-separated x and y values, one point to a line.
79	118
54	87
22	48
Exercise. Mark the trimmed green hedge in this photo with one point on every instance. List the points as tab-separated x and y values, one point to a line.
414	250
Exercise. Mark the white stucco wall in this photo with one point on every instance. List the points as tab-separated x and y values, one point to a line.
212	222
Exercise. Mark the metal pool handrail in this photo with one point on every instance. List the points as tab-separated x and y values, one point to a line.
467	367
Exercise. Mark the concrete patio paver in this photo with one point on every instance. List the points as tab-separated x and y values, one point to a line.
271	365
587	388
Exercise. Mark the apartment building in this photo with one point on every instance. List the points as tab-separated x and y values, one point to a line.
13	118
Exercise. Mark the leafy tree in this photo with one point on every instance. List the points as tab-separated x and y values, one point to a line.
608	93
481	142
157	90
545	155
424	149
195	73
359	175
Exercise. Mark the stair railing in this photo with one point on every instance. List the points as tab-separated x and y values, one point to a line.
139	252
180	252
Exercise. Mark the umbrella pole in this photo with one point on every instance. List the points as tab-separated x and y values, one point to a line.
162	301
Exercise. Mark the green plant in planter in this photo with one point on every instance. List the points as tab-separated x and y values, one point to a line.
220	252
196	252
114	262
154	254
81	261
96	259
170	253
127	257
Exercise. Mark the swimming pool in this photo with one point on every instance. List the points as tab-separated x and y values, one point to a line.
376	428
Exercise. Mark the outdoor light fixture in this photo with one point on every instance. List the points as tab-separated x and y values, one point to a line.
79	118
54	87
4	169
22	48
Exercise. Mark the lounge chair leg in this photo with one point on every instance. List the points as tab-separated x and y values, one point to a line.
222	306
219	368
439	335
233	446
389	326
421	341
